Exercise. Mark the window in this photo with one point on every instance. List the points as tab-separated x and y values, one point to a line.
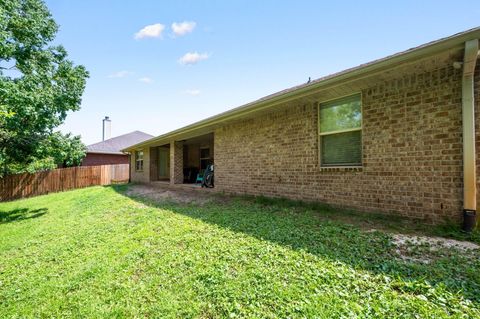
139	160
340	132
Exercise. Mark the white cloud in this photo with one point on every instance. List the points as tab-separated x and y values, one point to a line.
120	74
183	28
145	79
150	31
192	58
193	92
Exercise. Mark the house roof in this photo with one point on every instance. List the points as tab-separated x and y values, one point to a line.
115	145
455	41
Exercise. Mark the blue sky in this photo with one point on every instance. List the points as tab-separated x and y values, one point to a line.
243	50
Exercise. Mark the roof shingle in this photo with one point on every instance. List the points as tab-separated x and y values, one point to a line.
114	145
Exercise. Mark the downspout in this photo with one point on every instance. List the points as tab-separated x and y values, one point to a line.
468	120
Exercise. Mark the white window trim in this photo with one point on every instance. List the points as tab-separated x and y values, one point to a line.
340	131
320	134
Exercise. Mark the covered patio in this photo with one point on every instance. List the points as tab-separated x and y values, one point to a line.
181	162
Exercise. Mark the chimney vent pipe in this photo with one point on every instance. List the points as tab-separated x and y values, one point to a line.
106	128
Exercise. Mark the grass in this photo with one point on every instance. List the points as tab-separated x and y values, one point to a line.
96	252
378	221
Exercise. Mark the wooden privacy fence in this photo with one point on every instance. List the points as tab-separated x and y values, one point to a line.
62	179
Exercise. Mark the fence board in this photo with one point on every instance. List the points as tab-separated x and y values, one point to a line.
62	179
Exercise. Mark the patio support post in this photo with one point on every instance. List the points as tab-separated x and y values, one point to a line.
176	162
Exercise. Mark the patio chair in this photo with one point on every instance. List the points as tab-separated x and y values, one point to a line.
200	176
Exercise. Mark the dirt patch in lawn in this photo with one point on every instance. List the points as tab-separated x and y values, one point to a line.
435	242
164	193
425	249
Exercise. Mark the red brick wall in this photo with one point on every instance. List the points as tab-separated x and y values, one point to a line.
412	151
104	159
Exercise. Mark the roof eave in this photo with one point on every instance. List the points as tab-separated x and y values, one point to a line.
363	70
106	152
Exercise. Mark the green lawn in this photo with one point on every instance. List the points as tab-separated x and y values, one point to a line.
97	253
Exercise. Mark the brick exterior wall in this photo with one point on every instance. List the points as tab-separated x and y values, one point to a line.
411	145
92	159
141	176
412	151
191	155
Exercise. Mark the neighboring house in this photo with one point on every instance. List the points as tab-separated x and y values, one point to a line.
110	150
396	135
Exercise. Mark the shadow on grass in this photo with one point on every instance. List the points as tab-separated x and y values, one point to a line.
309	228
390	223
8	216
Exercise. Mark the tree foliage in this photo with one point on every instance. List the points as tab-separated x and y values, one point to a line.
38	87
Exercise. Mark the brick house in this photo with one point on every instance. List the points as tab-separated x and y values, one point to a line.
109	151
396	135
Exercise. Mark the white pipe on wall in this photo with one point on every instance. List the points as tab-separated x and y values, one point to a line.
468	120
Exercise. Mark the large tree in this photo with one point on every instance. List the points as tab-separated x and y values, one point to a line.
38	87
